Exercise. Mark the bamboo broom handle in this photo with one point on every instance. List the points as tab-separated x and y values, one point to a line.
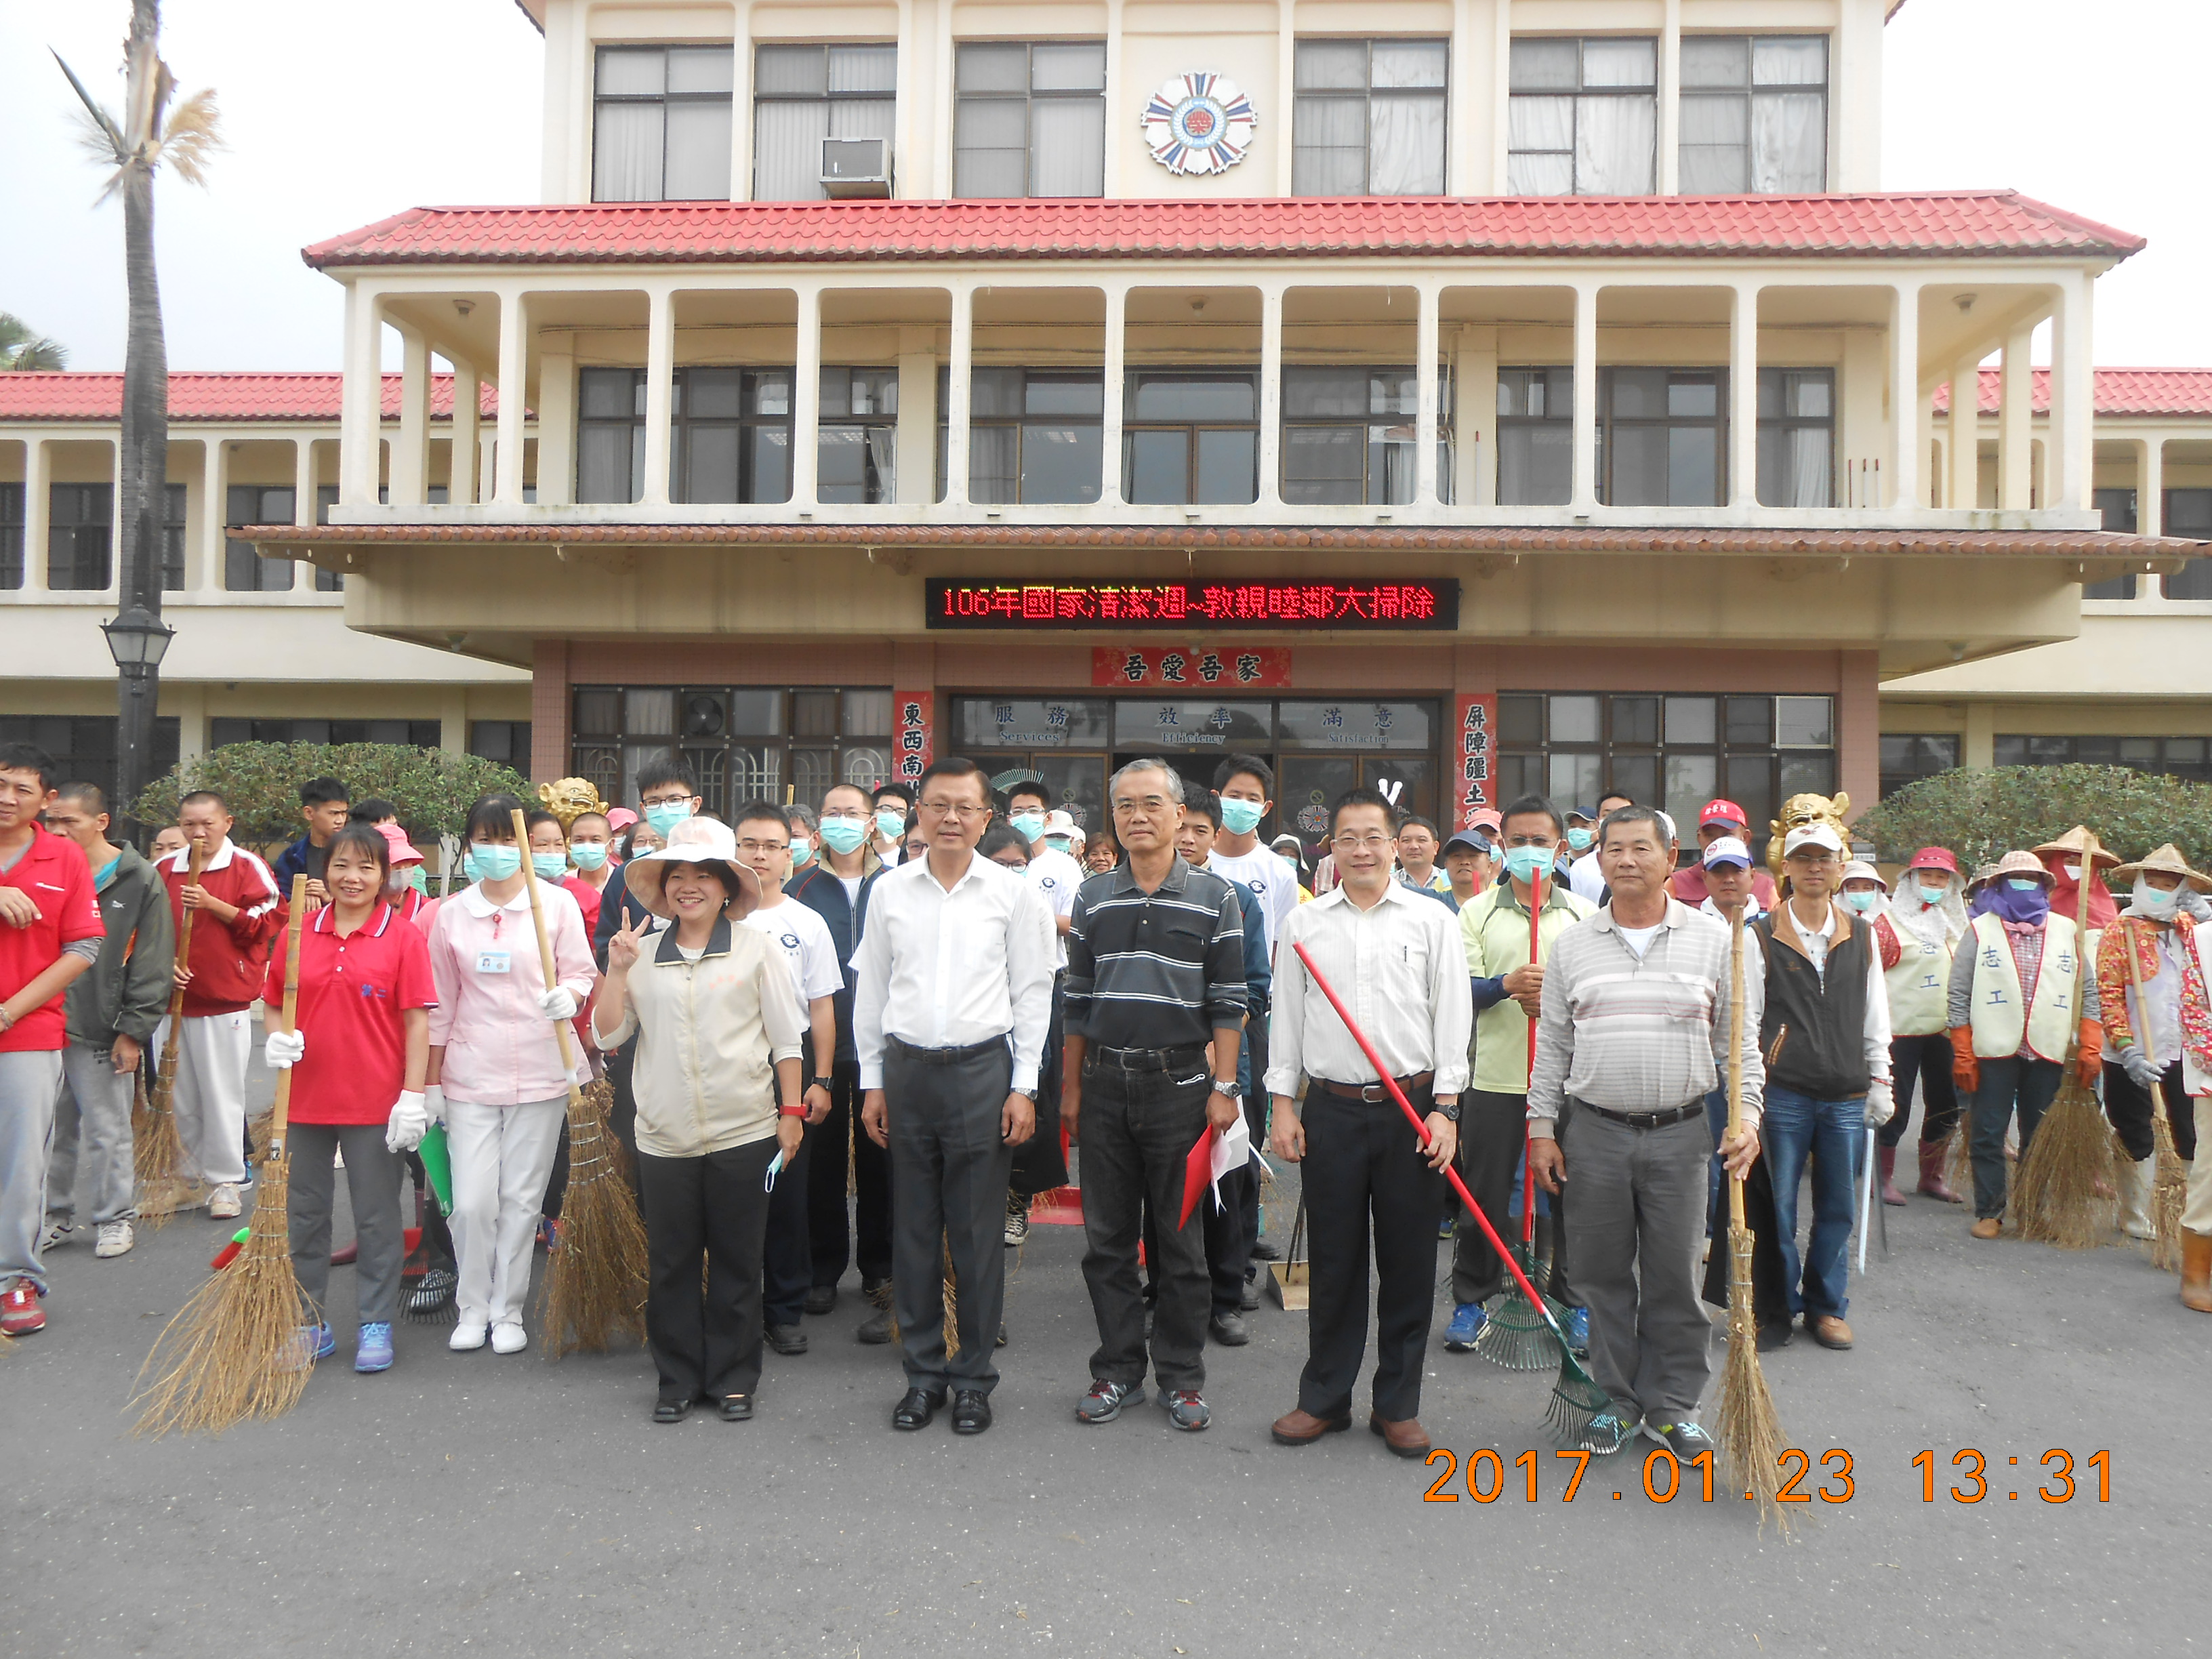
561	1031
1535	960
290	1017
2084	966
196	861
1735	1056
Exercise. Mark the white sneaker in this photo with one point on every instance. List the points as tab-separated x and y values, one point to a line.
506	1337
225	1203
466	1337
116	1238
58	1228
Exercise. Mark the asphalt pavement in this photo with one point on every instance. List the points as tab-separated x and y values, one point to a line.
473	1502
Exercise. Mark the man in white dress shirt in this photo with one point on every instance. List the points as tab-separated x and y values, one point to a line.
952	994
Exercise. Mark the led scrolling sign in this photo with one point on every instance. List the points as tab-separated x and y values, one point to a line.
1420	605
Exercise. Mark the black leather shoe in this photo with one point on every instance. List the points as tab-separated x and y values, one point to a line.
671	1411
1248	1299
821	1299
971	1412
1228	1329
738	1408
787	1339
915	1408
1266	1249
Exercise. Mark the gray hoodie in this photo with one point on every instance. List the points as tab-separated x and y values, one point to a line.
128	989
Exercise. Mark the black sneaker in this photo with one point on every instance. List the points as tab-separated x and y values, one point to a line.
879	1325
1104	1401
1186	1408
787	1339
1229	1330
1018	1217
1248	1299
821	1299
1684	1437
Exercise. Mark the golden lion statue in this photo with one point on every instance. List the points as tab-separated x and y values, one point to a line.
1800	810
569	799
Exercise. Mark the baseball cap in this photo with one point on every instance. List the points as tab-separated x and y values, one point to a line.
1584	813
1486	818
1812	834
1728	850
402	850
1470	839
1722	811
1059	822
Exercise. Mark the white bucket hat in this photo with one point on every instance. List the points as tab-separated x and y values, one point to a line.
705	841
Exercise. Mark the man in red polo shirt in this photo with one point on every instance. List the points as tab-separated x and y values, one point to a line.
49	934
1717	819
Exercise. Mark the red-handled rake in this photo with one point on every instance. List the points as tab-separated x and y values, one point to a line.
1577	1399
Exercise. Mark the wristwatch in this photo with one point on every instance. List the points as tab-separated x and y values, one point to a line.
1233	1088
819	1082
1030	1095
1448	1111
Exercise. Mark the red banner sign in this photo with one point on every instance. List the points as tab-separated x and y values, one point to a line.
1384	607
1147	668
914	721
1475	752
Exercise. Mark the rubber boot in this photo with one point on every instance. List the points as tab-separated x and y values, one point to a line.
2197	1271
2135	1200
1932	1155
1885	1162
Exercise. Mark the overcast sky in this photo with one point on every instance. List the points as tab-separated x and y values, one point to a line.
338	115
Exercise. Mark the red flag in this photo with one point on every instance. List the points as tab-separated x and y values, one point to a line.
1197	1173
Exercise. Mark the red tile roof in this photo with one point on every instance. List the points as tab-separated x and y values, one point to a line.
1930	223
223	396
2120	392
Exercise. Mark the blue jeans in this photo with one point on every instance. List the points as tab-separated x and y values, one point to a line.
1832	1134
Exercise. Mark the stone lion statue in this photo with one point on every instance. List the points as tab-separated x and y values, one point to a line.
1798	811
569	799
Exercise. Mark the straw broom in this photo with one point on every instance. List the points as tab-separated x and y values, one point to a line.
1750	1434
2055	1187
157	1156
233	1351
2169	1174
594	1289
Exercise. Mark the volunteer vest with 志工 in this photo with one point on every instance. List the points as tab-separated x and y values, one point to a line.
1999	1022
1918	983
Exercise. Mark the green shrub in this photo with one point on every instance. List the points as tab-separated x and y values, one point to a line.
433	790
1981	813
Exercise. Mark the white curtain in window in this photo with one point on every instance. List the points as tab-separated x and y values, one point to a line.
1541	142
1406	141
1790	60
1716	144
861	117
1789	143
1331	158
1067	146
883	461
1809	483
698	167
863	68
788	151
626	153
991	465
1616	143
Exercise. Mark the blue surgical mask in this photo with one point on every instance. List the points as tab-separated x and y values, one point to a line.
2022	883
843	835
549	867
802	851
1241	817
494	862
1031	824
1058	843
1864	904
1527	863
1932	895
588	854
892	824
470	870
1579	840
665	815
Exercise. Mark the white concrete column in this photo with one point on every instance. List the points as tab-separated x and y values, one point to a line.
1271	397
207	575
461	464
361	422
659	393
2073	396
38	511
806	400
1669	173
1743	387
1474	426
917	416
303	480
2015	410
411	453
1501	95
1286	81
1905	396
513	398
2150	488
1584	494
940	148
741	104
556	419
1115	376
1425	302
1110	174
1963	490
960	360
1461	104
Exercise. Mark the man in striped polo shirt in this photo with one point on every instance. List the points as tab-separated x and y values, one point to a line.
1154	1003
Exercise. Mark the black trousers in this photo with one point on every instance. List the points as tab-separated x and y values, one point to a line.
1364	1171
833	1145
1228	1246
787	1259
1041	1162
621	1117
705	1343
949	1164
557	1180
2127	1106
1928	1058
1494	1131
1138	1130
2010	1083
1257	1103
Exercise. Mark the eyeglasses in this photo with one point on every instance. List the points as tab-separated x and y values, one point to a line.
1531	841
763	846
945	808
676	800
1148	804
845	817
1359	843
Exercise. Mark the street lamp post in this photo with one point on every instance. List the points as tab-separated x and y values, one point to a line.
137	640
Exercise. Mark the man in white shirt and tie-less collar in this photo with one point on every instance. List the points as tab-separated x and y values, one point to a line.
953	994
1395	957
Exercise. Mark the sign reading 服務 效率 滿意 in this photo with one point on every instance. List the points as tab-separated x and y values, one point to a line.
1199	123
1419	605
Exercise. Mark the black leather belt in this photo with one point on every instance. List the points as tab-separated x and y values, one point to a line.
1647	1119
1370	1092
946	1057
1153	1060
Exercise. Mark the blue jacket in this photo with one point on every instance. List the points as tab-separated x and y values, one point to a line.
819	890
1259	977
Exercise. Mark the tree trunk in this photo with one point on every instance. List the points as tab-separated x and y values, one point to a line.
144	464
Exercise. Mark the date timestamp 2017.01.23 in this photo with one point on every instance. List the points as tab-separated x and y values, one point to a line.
1830	1477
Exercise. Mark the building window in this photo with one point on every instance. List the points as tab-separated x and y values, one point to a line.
1349	436
11	536
1675	752
803	94
743	743
1031	119
412	734
1033	434
1535	436
80	537
2118	508
1755	114
1370	119
84	745
1909	757
2189	515
506	742
1796	437
243	571
1660	438
1583	116
856	456
660	124
1190	437
729	441
2188	758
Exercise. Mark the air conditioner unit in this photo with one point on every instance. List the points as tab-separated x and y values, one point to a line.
856	167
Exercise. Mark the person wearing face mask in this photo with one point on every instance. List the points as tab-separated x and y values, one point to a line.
591	842
669	794
2063	858
2148	1008
1061	836
805	836
2012	1005
1583	875
1917	932
894	811
1040	1163
1581	836
499	1068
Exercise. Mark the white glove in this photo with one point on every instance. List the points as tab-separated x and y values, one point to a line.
2137	1065
433	1105
1881	1104
409	1123
283	1048
559	1003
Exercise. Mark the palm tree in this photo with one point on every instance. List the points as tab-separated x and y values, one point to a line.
146	135
23	351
